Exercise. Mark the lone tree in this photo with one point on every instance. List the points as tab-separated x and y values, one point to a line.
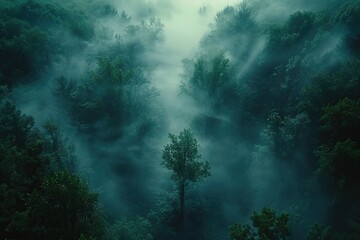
181	156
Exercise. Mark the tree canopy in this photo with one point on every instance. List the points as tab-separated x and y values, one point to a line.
181	157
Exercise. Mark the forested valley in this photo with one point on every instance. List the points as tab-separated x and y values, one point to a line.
114	127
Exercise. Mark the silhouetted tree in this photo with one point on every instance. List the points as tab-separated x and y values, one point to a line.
182	158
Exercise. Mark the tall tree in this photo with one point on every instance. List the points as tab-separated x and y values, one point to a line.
181	156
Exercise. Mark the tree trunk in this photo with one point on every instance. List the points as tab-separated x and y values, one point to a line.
181	229
182	204
182	210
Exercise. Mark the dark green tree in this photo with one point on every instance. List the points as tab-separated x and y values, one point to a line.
338	155
35	203
241	232
181	156
64	208
268	225
210	82
22	167
115	95
61	152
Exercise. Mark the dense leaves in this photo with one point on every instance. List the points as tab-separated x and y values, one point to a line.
29	37
339	153
268	225
35	201
114	94
63	208
23	165
182	158
277	104
295	102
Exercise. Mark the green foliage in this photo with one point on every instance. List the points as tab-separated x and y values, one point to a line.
268	225
34	201
115	94
296	96
243	19
23	51
232	25
290	92
22	167
141	36
341	121
137	229
63	208
28	37
4	92
15	127
349	14
241	232
182	157
83	30
83	237
62	153
210	82
340	162
318	232
163	216
290	33
338	155
284	136
330	88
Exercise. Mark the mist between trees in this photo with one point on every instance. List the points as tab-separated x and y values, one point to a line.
140	120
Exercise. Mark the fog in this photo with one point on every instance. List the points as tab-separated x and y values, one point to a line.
185	23
141	76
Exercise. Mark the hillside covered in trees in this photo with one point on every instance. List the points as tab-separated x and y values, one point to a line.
260	140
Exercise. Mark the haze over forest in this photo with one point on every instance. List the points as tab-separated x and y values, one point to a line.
189	119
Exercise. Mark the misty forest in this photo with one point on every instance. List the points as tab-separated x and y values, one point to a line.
179	120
